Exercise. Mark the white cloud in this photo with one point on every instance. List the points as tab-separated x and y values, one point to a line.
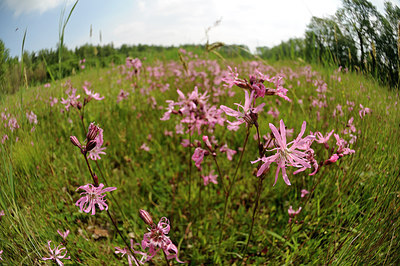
28	6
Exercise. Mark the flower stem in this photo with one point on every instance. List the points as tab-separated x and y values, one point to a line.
190	171
166	259
259	189
231	183
219	173
95	182
120	234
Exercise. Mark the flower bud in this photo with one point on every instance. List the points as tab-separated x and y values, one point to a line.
207	142
75	141
146	217
92	132
90	146
96	180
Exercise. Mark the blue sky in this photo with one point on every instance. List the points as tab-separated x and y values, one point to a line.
163	22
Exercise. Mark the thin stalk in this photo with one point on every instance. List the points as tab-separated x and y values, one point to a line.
219	173
231	184
120	234
166	259
259	189
95	182
190	171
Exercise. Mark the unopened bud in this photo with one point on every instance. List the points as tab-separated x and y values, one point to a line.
207	142
75	141
90	146
146	217
79	105
92	132
96	180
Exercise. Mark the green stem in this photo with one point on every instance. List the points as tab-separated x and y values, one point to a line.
231	183
219	173
259	189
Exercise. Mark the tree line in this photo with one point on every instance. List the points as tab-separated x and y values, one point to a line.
357	37
43	66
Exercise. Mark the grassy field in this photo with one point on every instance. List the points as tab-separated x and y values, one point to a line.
350	216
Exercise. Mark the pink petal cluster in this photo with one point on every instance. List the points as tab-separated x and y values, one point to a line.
247	115
32	118
157	239
94	154
198	156
125	251
363	111
122	95
197	113
229	152
210	178
304	193
57	253
92	196
293	213
288	156
72	99
92	95
63	234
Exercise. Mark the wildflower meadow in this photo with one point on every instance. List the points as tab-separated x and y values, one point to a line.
201	161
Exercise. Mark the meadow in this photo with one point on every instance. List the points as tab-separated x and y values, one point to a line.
170	150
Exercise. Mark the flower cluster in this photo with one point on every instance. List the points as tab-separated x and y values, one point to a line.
57	253
296	153
196	112
93	195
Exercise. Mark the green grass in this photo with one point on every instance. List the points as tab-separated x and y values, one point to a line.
350	217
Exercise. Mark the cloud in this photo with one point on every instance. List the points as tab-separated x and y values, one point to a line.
29	6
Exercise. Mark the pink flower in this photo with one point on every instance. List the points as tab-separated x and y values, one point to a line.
333	158
247	115
363	111
94	154
145	147
210	178
122	95
92	95
157	239
229	152
304	193
285	155
92	196
342	147
323	140
32	118
53	101
63	234
72	99
4	138
293	213
198	156
57	253
13	124
125	251
1	252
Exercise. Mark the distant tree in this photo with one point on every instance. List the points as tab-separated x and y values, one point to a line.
359	19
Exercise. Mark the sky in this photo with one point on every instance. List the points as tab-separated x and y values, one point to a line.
160	22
